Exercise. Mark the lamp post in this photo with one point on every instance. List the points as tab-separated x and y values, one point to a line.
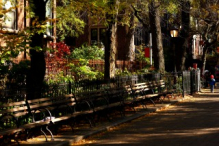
151	49
174	34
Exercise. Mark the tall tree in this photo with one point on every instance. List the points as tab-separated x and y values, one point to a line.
37	72
148	12
68	24
184	33
112	13
111	49
207	24
157	42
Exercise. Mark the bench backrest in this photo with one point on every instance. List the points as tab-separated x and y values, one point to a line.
158	85
117	94
13	114
35	104
59	105
91	99
140	87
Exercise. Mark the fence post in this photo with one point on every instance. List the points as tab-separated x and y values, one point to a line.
192	81
183	94
195	81
199	79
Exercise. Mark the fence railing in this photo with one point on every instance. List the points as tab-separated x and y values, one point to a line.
55	66
191	81
186	82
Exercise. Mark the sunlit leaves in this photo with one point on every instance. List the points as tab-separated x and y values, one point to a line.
206	15
12	45
69	21
87	52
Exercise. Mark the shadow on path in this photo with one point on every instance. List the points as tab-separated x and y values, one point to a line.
189	123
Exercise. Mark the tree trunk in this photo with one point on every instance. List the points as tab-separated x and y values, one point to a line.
110	52
37	71
125	35
113	50
184	34
131	42
157	45
184	54
204	57
111	42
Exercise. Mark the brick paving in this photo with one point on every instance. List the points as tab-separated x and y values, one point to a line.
189	123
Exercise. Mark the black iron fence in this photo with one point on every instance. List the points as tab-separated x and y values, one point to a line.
191	81
89	85
186	82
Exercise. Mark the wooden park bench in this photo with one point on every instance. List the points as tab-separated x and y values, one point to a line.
142	92
163	90
103	101
16	119
28	117
61	110
149	91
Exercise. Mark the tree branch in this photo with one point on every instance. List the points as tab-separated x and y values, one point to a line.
137	16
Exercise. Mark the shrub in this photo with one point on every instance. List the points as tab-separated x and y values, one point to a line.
87	52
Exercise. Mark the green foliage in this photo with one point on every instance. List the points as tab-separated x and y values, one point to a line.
87	52
13	44
120	72
171	6
139	56
144	70
60	77
178	88
69	22
82	71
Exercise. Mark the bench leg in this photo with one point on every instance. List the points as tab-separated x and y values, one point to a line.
93	119
28	132
108	115
41	129
72	123
89	121
143	104
132	105
152	101
14	137
52	137
123	110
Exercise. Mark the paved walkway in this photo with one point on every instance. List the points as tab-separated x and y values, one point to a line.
190	123
194	121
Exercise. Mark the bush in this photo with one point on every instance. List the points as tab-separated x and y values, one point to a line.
140	55
87	52
82	71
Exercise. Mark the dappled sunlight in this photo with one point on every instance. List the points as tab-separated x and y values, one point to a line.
207	90
137	137
186	123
